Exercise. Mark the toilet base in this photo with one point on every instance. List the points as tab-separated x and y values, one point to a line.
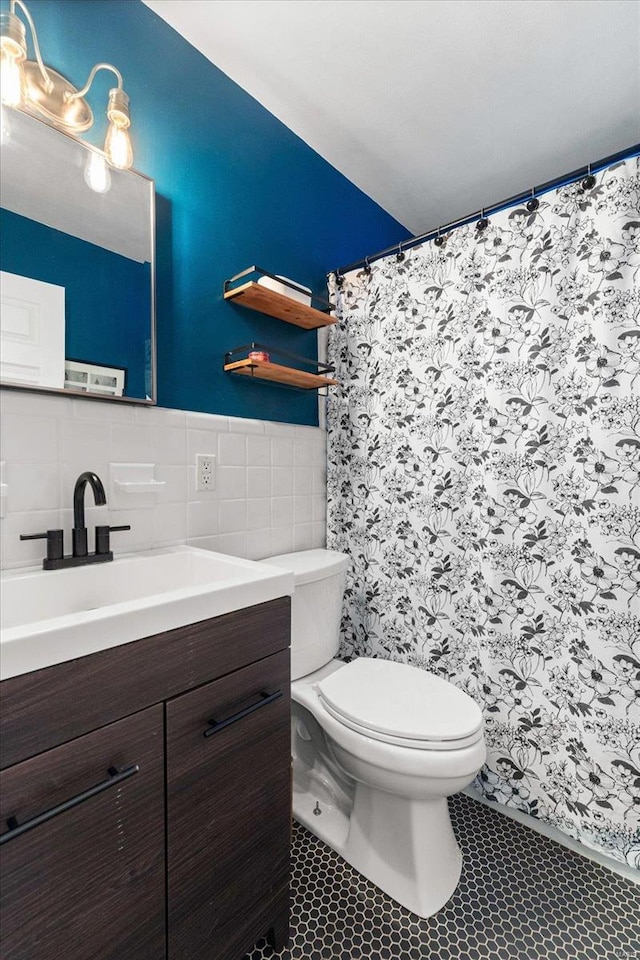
406	847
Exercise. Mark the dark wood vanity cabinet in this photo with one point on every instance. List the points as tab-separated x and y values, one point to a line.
169	783
226	793
89	881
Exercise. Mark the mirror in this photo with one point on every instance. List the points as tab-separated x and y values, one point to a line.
78	267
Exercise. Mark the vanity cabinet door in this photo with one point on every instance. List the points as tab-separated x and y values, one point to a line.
229	813
85	880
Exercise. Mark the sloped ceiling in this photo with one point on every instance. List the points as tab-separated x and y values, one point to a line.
433	108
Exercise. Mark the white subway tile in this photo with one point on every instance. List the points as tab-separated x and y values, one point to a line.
318	536
258	481
259	513
169	444
201	441
204	543
319	481
281	481
281	540
258	451
319	449
85	445
175	481
232	516
319	508
161	417
242	425
233	544
207	421
169	524
32	486
275	429
258	544
282	511
202	518
28	404
302	452
232	449
24	553
281	451
28	439
48	441
302	510
303	481
105	410
140	537
303	537
231	483
131	443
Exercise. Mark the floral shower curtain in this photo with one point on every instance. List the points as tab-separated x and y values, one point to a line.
484	476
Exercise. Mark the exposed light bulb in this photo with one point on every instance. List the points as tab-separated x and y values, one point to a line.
11	77
96	173
117	147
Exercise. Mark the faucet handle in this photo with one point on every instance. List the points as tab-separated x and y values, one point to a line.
55	542
102	536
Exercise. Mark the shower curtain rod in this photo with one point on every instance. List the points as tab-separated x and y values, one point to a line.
485	212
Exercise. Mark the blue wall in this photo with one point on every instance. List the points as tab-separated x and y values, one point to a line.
104	317
235	187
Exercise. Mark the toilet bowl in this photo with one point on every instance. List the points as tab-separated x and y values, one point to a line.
377	748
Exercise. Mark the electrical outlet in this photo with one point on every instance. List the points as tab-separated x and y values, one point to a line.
205	471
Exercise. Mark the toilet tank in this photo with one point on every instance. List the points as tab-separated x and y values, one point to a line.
316	606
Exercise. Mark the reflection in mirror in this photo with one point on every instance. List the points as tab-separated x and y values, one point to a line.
77	262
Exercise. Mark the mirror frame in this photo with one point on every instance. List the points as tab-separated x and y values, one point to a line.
83	394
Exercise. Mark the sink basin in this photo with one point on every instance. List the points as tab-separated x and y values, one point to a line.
51	616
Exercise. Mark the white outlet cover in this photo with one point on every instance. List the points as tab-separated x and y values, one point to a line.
205	472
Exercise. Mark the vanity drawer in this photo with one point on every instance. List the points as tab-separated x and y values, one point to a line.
85	880
228	810
48	707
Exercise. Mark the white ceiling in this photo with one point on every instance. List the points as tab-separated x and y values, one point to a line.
434	108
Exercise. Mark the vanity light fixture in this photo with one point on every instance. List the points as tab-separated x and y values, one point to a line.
44	92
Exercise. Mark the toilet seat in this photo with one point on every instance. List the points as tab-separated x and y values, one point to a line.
400	704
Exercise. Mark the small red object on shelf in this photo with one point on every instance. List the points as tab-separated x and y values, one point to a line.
259	355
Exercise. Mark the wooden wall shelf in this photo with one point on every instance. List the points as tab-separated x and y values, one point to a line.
265	370
257	297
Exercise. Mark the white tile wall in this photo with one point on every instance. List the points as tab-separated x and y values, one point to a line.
270	483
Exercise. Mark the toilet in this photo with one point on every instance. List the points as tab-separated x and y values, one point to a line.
377	747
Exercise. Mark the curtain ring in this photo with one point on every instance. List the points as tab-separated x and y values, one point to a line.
533	203
589	181
438	240
400	254
367	266
483	222
339	279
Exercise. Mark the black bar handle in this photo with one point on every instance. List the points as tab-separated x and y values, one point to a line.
55	542
124	526
265	698
115	776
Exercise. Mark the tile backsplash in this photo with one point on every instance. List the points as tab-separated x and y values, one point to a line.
270	478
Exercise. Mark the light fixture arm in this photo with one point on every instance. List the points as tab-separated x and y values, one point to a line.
94	70
34	37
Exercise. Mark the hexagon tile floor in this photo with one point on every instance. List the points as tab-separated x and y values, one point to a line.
520	897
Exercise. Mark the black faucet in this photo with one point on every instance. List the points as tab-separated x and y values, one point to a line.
80	555
79	533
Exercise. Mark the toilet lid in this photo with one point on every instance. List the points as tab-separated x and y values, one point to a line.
396	701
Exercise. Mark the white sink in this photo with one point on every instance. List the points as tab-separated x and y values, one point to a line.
49	616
